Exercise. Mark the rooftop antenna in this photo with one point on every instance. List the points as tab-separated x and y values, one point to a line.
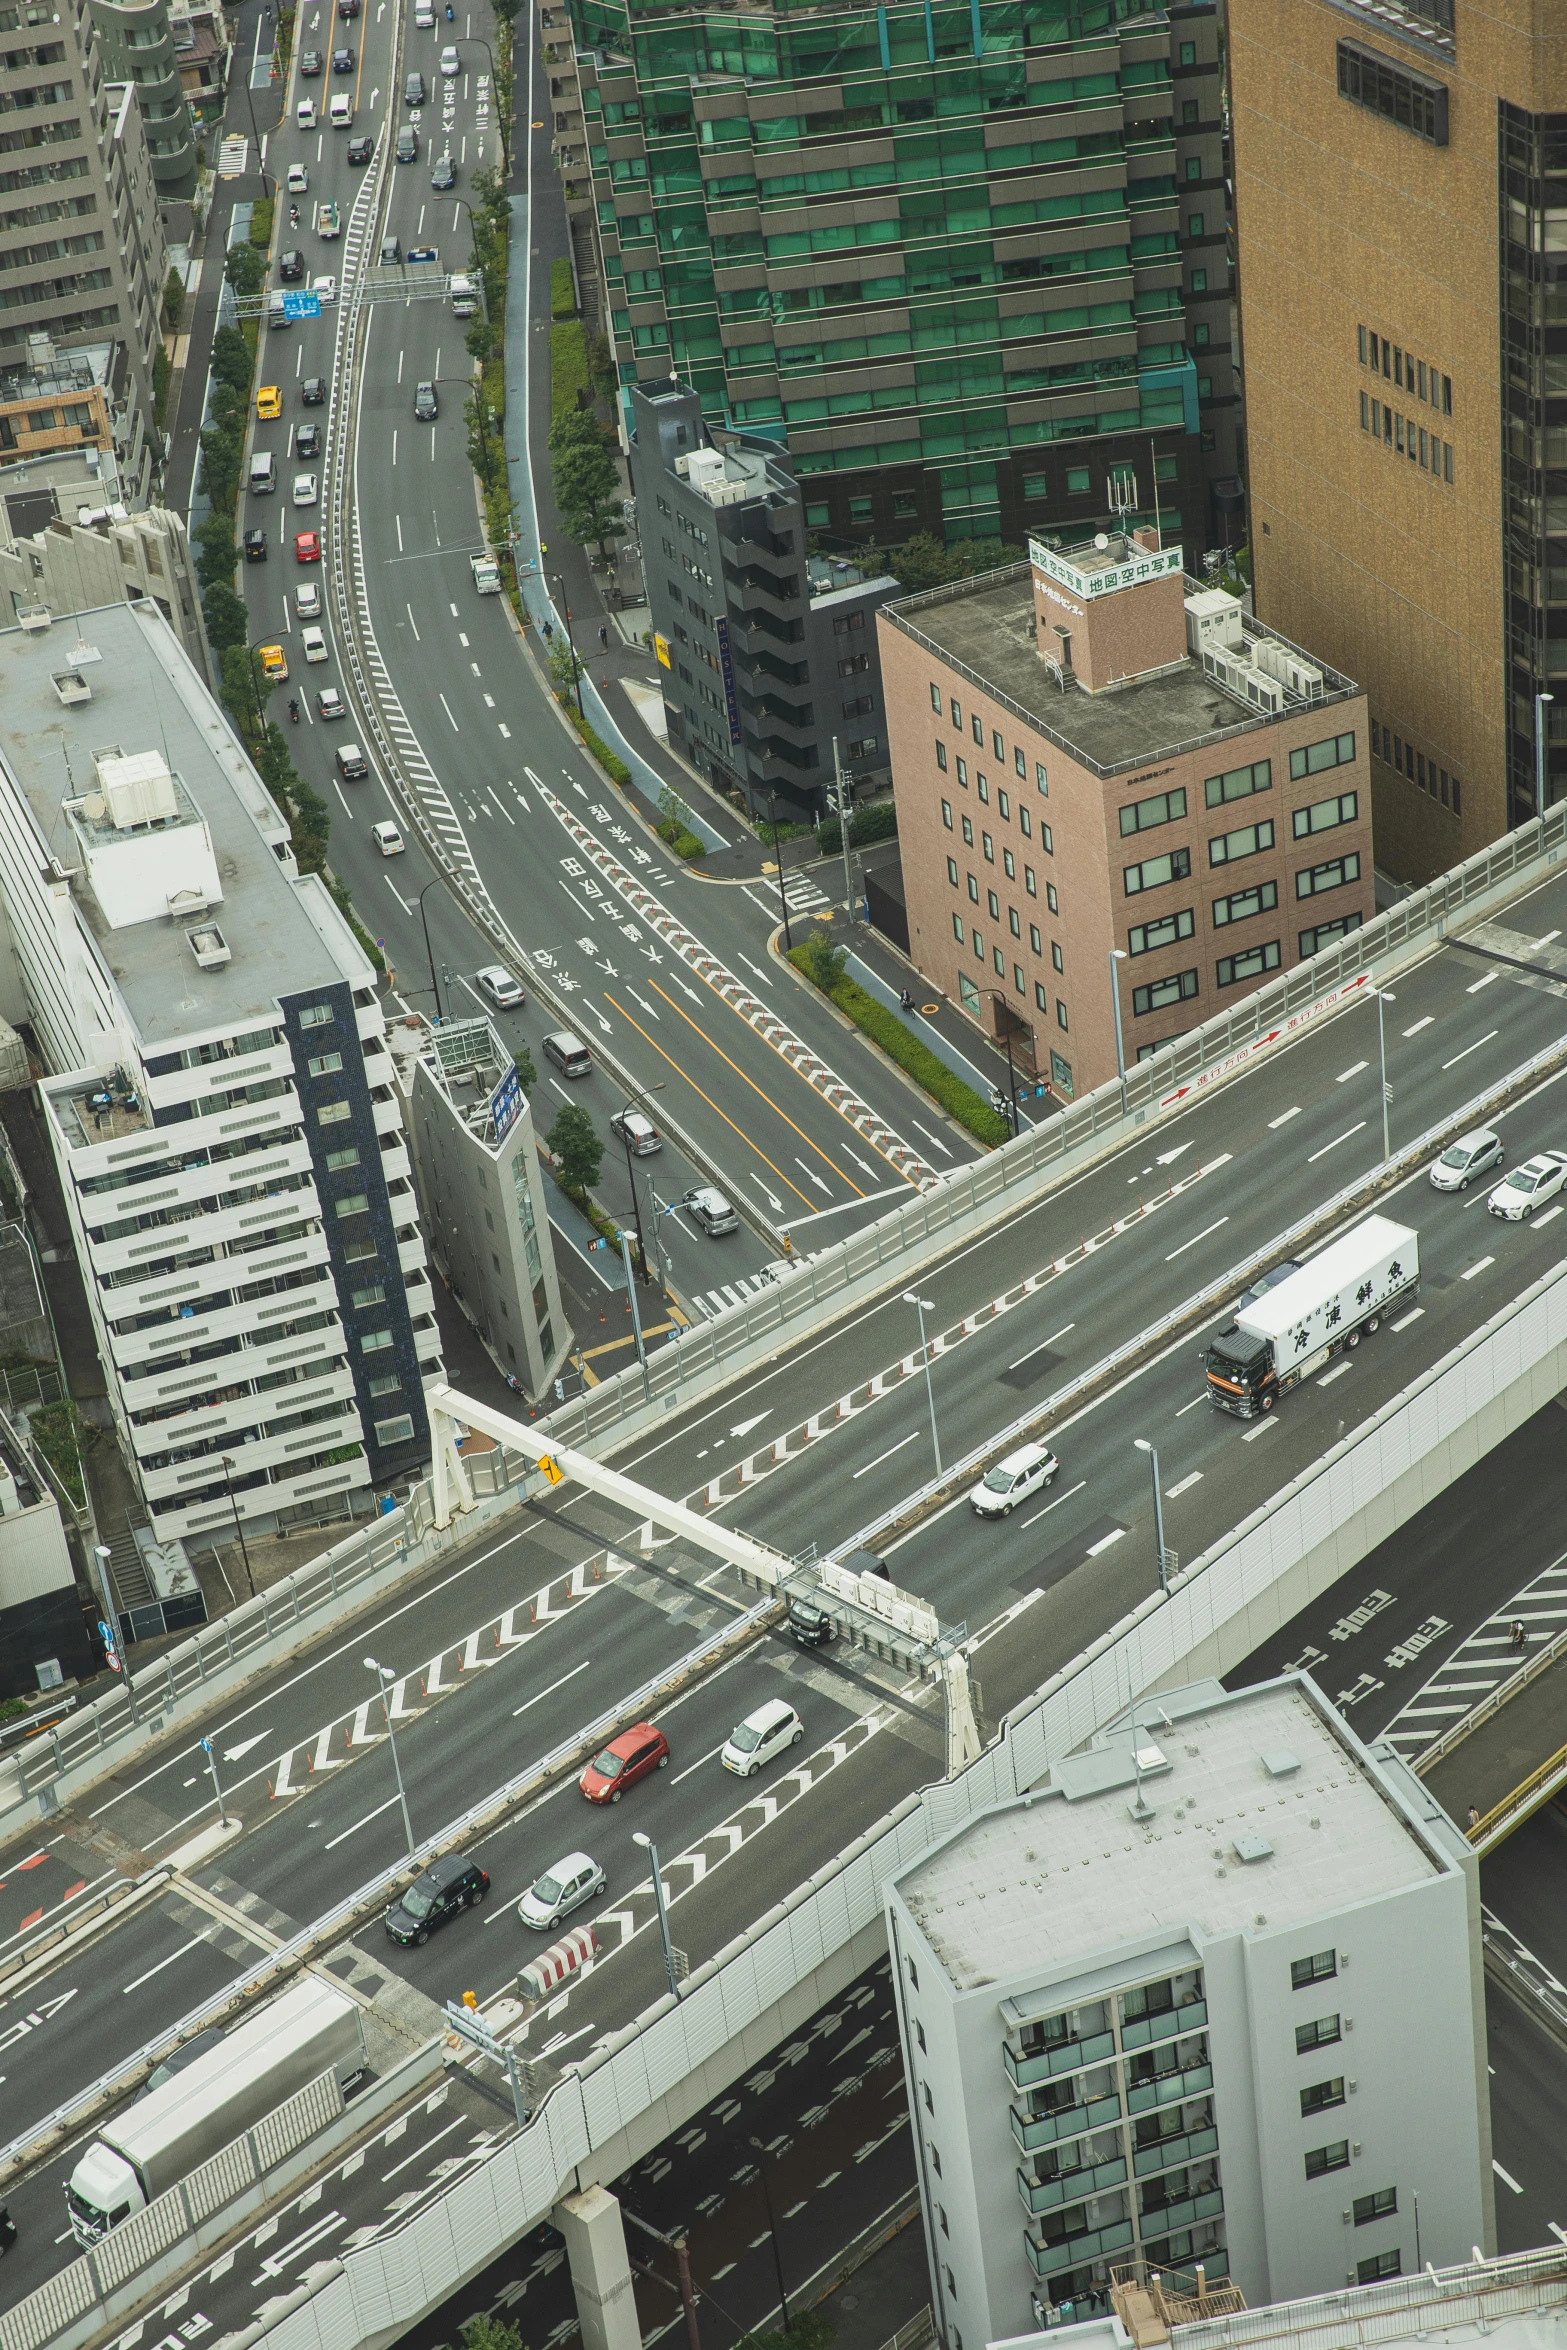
1123	496
1153	467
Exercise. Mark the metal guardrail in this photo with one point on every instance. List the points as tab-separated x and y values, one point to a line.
1451	1739
369	1897
1494	1826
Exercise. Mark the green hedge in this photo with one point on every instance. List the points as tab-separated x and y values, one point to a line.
563	295
900	1044
568	366
865	825
615	769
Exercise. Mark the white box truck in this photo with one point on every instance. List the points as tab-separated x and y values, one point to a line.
1294	1328
465	294
486	574
310	2029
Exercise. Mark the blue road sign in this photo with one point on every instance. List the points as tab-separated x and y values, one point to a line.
301	305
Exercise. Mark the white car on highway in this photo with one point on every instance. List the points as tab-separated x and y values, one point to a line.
305	491
450	63
324	289
298	179
761	1737
305	114
560	1890
1471	1155
1027	1471
307	601
1529	1187
312	644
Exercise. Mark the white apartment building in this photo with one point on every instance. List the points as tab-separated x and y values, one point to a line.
220	1103
1165	2012
476	1164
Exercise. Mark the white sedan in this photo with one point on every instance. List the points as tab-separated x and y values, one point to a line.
312	643
451	64
307	600
1529	1187
305	490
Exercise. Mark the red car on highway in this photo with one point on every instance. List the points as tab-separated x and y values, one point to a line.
307	546
623	1762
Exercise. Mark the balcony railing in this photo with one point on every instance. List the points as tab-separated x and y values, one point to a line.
1048	2194
1171	2151
1023	2071
1168	2088
1146	2028
1049	2129
1048	2260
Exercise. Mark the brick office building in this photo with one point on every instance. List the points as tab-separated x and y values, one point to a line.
1093	757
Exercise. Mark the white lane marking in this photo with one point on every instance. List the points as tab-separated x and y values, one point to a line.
696	1766
333	1842
1040	1348
1337	1372
446	706
1549	1213
1174	1492
1190	1407
1105	1541
413	624
1268	1421
539	1697
1353	1070
1292	1112
1475	990
196	1939
1404	1320
1471	1048
1477	1268
1419	1024
1192	1243
462	2122
887	1455
1333	1145
1547	939
1506	2177
1054	1505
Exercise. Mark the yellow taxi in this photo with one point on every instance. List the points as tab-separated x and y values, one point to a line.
269	401
274	665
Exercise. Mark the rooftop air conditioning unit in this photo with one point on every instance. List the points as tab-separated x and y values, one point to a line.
71	686
34	618
209	946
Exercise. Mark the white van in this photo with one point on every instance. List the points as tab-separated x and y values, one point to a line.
340	111
263	472
305	114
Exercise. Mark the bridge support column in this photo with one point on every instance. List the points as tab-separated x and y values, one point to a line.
600	2270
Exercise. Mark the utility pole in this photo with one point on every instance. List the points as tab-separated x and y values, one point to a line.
845	799
783	899
636	1318
636	1209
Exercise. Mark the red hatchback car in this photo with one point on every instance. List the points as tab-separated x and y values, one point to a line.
307	546
623	1761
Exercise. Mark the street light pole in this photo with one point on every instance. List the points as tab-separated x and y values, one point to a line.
845	802
1540	724
767	2198
924	1306
1117	955
429	951
576	680
1382	998
1143	1445
228	1480
651	1849
772	806
636	1318
385	1679
636	1209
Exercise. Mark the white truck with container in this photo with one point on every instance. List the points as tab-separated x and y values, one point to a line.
486	574
1288	1331
464	290
310	2029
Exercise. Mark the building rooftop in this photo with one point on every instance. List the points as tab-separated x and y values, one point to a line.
469	1066
985	628
131	689
1261	1815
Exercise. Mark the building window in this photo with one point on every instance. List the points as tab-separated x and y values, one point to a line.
1324	815
387	1384
1241	904
1019	763
373	1294
317	1015
1013	923
1179	988
1163	808
1227	848
348	1157
957	928
963	773
333	1113
1051	899
1056	957
994	904
1312	880
353	1203
1238	783
999	961
1321	2034
1321	1967
374	1342
941	755
1236	970
978	726
1326	934
968	830
1154	872
1321	2096
1040	997
865	747
989	847
1394	90
1146	938
1034	939
946	814
398	1431
1009	864
1060	1013
1336	750
952	871
1042	776
957	714
325	1064
1381	2205
1322	2159
973	890
935	697
1379	2264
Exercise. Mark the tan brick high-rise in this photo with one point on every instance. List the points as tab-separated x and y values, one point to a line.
1401	216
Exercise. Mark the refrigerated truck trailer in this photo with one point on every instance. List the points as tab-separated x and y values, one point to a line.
310	2029
1291	1330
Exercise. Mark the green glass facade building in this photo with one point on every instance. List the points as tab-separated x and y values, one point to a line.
969	258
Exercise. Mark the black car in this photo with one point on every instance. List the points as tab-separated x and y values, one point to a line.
255	546
808	1625
312	392
444	175
360	150
453	1884
291	265
391	249
309	62
307	440
413	90
342	61
407	150
347	8
426	406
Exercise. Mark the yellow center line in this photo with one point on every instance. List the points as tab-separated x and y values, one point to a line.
707	1097
756	1089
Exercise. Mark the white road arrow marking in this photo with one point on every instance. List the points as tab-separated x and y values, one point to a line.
1168	1158
744	1427
233	1753
810	1173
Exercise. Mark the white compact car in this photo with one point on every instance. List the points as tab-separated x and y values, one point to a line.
312	643
307	601
340	111
450	63
1028	1470
1529	1187
560	1890
305	491
298	179
497	983
1471	1155
305	114
709	1210
387	838
761	1737
324	289
330	703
